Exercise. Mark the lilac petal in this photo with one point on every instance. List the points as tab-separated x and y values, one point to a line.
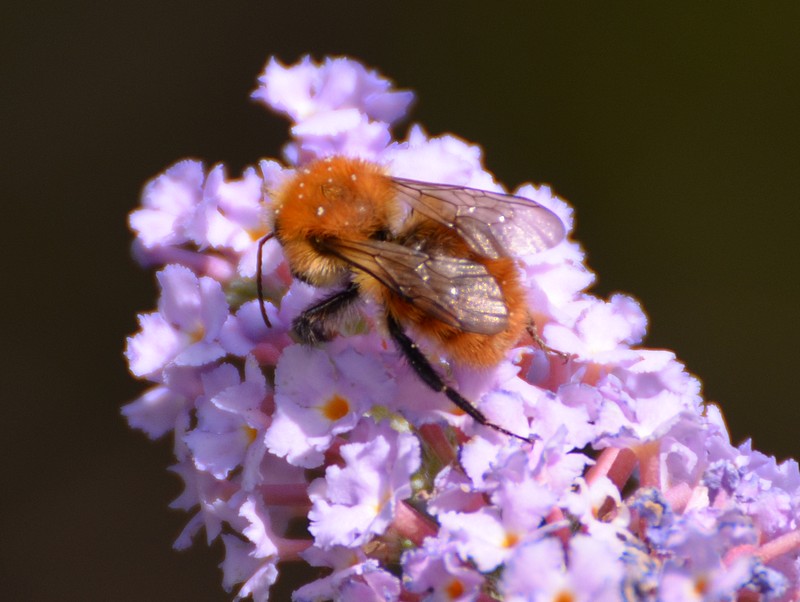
199	354
287	89
479	536
220	378
334	525
156	344
300	436
388	107
154	228
214	310
260	530
375	586
169	202
546	581
155	412
180	297
595	567
328	123
186	537
215	453
241	201
242	399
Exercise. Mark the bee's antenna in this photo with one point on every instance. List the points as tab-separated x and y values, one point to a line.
259	278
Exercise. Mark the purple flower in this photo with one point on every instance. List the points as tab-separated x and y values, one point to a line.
308	89
336	107
436	569
252	564
354	577
230	424
319	396
185	330
339	456
156	411
589	571
355	502
169	203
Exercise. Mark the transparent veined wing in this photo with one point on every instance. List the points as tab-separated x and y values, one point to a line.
493	224
456	291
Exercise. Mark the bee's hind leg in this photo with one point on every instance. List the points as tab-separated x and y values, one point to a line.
430	377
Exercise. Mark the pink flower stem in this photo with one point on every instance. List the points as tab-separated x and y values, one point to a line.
289	549
615	463
202	263
434	436
285	494
556	516
788	542
679	496
649	466
411	525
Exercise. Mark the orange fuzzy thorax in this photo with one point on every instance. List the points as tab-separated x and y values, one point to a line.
332	198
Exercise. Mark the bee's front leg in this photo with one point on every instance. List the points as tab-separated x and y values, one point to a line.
315	324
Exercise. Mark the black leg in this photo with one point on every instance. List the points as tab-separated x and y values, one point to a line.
425	371
313	325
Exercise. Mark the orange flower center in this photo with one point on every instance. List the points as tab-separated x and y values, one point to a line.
335	408
454	589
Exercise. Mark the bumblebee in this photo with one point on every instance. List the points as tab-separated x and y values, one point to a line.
437	258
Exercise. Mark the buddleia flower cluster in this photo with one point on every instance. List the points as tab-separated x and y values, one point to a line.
338	456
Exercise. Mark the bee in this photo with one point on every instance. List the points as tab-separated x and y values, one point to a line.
437	258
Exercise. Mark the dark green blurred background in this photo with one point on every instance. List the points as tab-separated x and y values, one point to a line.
673	131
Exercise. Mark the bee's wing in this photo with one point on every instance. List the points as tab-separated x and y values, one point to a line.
456	291
493	224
